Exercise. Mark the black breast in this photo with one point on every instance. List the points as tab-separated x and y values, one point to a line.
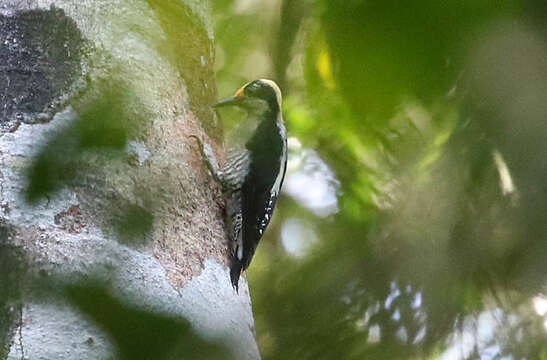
266	149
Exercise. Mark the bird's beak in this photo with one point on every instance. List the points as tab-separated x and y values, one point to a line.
232	100
237	99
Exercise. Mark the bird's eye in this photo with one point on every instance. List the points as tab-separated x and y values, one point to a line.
252	87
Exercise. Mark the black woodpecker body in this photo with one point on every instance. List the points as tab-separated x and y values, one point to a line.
252	176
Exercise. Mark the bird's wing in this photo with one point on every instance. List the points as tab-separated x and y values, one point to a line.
235	168
261	187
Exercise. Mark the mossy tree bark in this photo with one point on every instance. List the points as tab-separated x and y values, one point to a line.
109	223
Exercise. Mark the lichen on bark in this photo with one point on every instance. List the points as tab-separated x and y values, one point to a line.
106	185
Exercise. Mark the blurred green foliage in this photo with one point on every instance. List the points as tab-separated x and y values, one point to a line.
432	116
139	333
102	125
133	223
108	116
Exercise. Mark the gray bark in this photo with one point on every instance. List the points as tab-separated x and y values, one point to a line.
140	214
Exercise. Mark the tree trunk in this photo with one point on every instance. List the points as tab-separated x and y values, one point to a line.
100	184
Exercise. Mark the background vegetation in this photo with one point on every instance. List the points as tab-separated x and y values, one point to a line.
414	217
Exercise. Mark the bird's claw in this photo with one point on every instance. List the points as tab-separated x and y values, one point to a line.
199	141
196	138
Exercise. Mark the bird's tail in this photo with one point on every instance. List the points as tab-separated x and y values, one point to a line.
236	267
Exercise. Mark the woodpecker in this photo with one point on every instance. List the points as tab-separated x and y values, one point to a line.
252	174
